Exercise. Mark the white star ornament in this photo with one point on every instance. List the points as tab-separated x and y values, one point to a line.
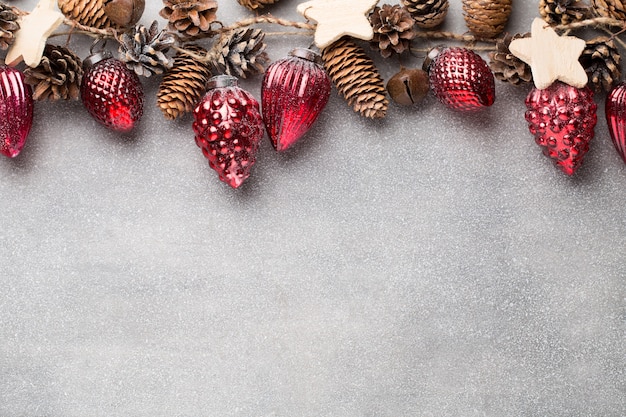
337	18
551	57
35	28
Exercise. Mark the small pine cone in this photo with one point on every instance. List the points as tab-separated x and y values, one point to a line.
189	17
58	75
601	60
240	53
506	66
486	19
393	29
184	84
356	78
562	12
86	12
615	9
427	13
143	50
256	4
8	26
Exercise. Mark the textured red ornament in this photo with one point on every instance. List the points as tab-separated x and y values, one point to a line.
111	92
461	79
228	128
562	118
16	111
295	90
615	109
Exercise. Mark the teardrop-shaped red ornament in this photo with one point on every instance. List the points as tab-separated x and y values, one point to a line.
562	118
295	90
16	111
111	92
228	128
461	79
615	109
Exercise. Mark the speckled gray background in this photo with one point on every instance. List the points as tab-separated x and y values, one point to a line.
431	264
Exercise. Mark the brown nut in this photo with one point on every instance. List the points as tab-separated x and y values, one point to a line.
408	87
124	13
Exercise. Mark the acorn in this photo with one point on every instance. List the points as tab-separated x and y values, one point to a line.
409	86
124	13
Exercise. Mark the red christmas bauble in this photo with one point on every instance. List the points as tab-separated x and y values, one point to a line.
563	119
461	79
16	111
294	92
111	92
228	128
615	109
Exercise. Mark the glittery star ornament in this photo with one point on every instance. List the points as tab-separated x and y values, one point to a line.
551	57
337	18
35	28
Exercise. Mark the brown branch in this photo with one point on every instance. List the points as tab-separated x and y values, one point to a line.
595	22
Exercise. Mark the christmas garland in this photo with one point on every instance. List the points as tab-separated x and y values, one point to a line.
200	59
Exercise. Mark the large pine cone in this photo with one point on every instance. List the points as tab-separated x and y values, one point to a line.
393	29
486	19
103	14
184	84
256	4
356	78
189	17
506	66
143	50
86	12
610	8
601	60
58	75
562	12
427	13
8	26
240	53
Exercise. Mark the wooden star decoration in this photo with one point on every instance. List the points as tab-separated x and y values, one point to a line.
551	57
337	18
35	28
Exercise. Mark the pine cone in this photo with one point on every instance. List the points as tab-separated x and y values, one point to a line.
256	4
143	50
562	12
189	17
506	66
184	84
240	53
486	18
427	13
393	29
86	12
601	60
610	8
58	75
356	78
8	26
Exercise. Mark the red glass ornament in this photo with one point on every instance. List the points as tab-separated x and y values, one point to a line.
295	90
563	119
16	111
461	79
228	128
111	92
615	110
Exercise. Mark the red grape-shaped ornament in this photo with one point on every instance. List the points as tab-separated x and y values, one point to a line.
563	119
615	109
295	90
111	92
16	111
461	79
228	128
